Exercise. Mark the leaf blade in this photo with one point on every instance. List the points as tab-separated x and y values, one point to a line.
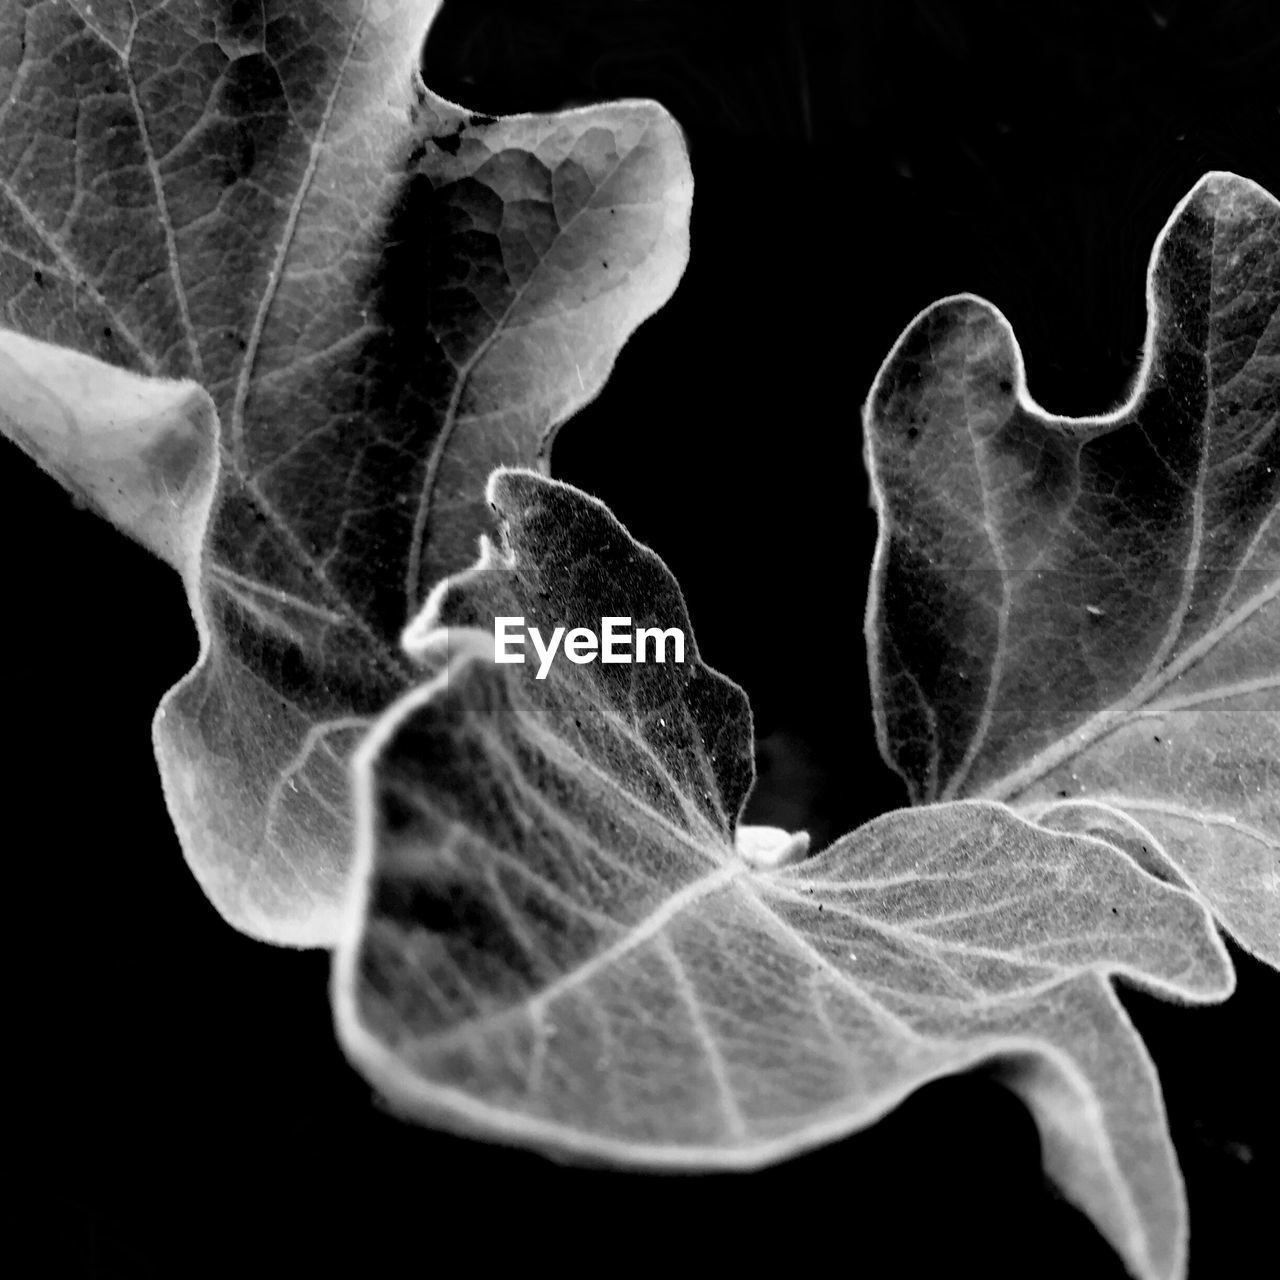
605	977
1047	589
384	296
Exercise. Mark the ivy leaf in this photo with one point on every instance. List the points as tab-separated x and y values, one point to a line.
555	942
1088	607
277	310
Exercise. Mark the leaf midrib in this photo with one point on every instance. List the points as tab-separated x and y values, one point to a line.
276	274
162	203
995	674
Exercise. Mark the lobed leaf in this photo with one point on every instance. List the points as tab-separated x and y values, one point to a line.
330	303
555	942
1088	608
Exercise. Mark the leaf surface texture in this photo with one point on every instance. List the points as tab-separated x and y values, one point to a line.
341	301
1087	608
556	942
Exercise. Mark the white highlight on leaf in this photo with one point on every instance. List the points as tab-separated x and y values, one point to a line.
765	847
140	449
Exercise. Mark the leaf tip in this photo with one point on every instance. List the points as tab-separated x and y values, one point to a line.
1230	196
959	340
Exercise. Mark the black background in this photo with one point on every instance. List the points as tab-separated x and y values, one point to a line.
852	163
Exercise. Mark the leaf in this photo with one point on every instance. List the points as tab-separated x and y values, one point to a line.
258	215
554	942
1088	607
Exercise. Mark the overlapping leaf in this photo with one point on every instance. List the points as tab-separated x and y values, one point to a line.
555	941
1088	608
277	310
